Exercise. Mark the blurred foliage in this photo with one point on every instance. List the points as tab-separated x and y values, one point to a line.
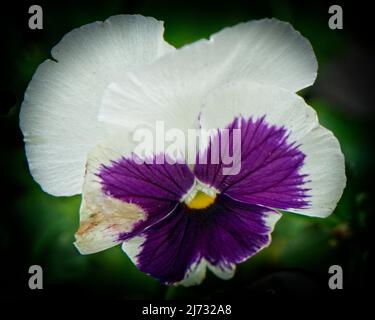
38	228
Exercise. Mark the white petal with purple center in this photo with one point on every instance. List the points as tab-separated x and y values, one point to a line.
282	140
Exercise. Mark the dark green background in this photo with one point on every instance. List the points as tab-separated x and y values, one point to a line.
37	228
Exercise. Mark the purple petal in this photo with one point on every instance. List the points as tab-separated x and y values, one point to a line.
269	174
226	233
156	188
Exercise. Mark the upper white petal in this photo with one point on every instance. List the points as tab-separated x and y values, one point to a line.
266	51
59	112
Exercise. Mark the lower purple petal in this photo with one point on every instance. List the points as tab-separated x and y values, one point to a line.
226	233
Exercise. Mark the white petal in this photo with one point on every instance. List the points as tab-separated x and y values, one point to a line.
132	247
59	113
195	275
172	88
224	273
104	218
324	162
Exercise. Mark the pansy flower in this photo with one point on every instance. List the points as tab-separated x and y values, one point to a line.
175	219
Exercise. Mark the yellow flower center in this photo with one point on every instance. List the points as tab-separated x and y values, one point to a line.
201	201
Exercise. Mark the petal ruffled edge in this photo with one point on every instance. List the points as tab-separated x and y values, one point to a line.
58	116
266	51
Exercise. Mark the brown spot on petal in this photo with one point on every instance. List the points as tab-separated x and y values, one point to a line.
103	218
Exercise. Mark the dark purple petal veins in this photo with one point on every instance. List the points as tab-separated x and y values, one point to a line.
270	166
226	233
